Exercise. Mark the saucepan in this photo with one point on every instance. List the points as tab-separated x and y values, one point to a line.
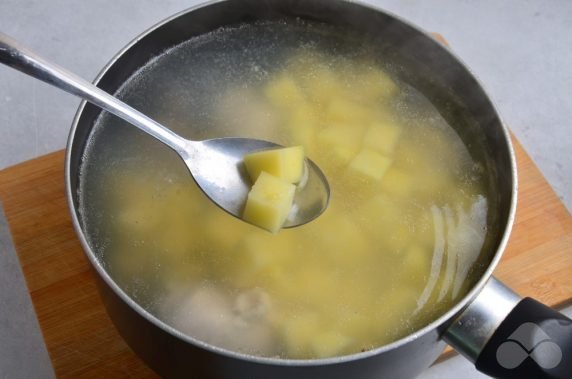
503	334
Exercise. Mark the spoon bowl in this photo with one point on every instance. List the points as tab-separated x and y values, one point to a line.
215	164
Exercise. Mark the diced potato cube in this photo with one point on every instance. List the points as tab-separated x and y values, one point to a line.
302	123
284	92
343	154
299	331
254	258
284	163
382	137
260	250
344	110
342	141
397	182
269	202
329	344
370	164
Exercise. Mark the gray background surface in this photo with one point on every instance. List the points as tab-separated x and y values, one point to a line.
520	50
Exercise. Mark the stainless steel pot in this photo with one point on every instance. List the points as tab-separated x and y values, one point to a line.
478	326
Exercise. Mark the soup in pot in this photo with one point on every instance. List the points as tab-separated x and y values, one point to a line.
400	243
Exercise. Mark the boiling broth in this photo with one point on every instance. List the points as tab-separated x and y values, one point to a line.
391	253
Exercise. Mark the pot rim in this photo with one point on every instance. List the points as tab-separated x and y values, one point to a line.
434	325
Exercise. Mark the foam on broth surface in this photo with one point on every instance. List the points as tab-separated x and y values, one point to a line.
394	250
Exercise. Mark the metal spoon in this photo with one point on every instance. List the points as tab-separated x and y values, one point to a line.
215	164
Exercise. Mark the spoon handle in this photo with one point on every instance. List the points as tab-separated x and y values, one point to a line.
13	54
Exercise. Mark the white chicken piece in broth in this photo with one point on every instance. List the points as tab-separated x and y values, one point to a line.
238	324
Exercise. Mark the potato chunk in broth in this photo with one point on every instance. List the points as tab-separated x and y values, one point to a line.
399	244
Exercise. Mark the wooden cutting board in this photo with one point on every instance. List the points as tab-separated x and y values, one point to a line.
83	343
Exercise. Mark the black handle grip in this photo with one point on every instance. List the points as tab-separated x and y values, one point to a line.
533	342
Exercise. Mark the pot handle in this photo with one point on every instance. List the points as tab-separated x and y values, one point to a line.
509	337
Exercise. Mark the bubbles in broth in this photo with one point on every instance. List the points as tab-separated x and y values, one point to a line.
399	244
